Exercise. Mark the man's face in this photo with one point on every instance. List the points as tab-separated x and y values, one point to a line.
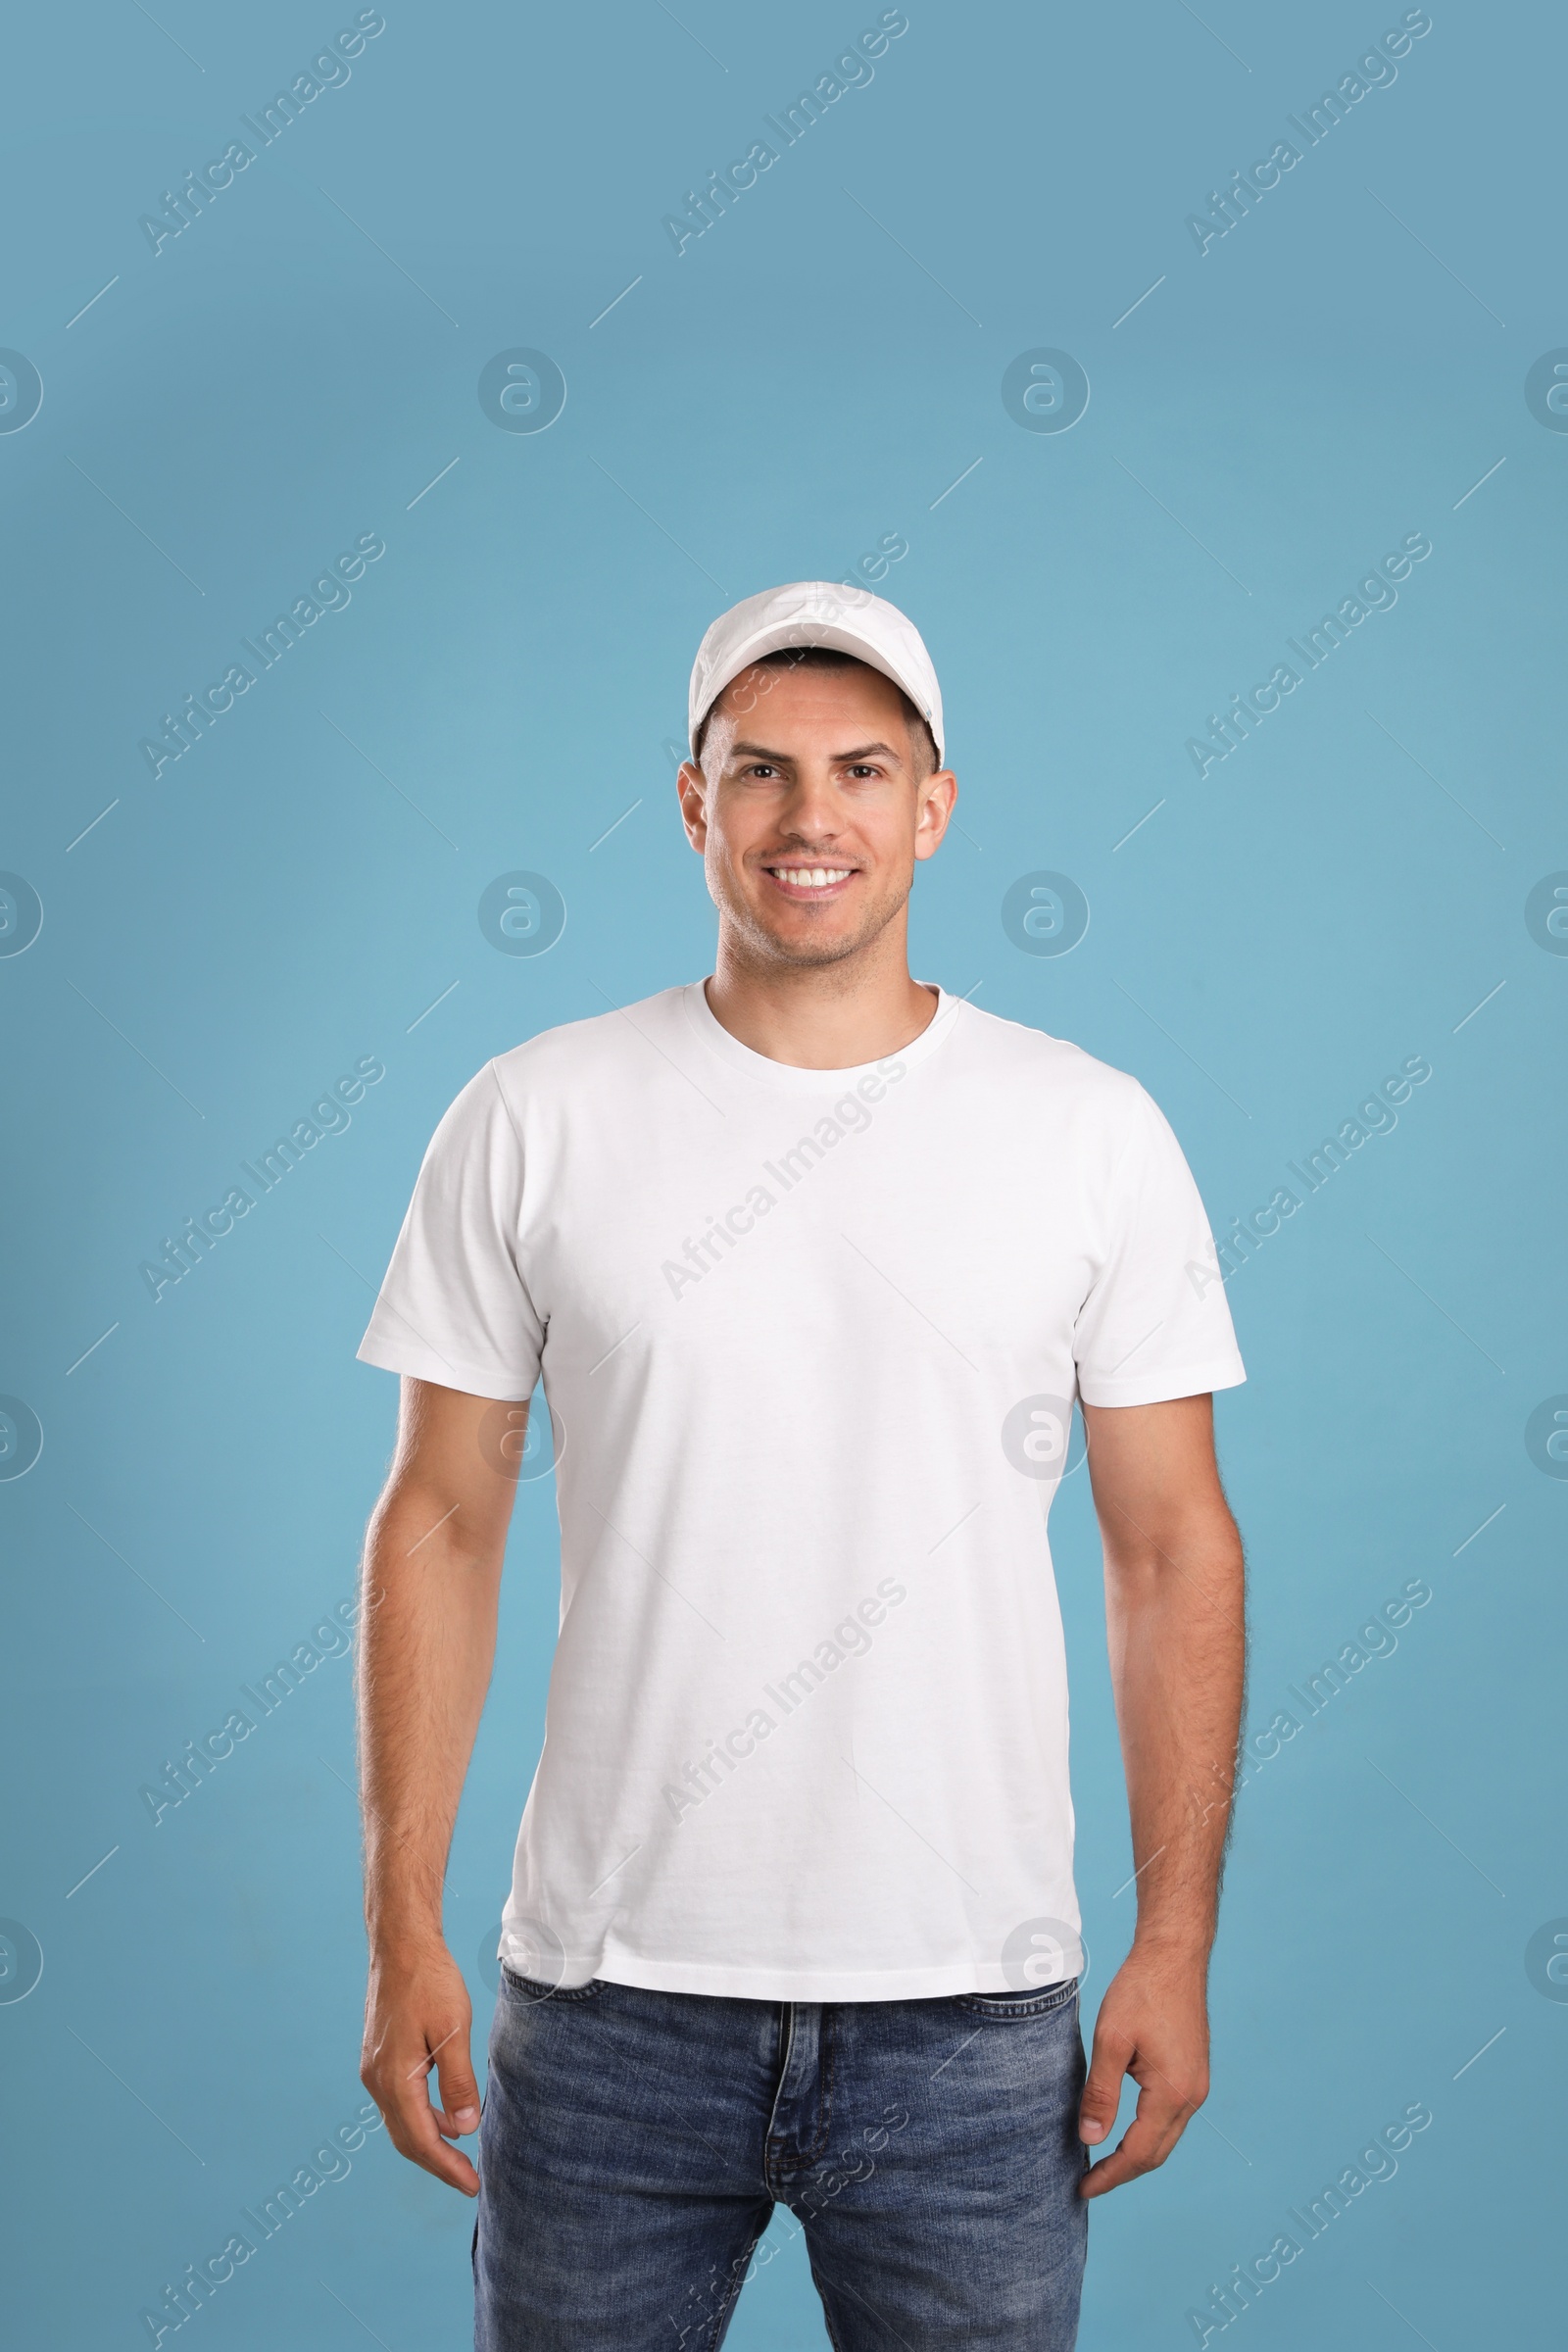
809	813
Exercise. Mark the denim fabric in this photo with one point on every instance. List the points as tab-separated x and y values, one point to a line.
634	2144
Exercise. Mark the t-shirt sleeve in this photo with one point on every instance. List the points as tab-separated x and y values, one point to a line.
454	1308
1156	1323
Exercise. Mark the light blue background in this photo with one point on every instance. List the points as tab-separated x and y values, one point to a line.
804	379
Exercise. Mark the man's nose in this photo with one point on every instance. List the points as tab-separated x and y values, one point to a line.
812	808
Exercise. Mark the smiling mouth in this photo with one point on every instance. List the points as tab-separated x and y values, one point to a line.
809	881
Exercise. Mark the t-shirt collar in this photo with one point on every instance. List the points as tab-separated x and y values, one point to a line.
784	1075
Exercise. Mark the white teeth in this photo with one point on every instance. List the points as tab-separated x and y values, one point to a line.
812	877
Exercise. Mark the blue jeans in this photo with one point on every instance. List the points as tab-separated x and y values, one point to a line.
633	2146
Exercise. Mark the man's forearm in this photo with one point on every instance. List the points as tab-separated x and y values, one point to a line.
1175	1604
427	1651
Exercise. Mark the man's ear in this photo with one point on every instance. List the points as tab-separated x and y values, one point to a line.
691	787
938	793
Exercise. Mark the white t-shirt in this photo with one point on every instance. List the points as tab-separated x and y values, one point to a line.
809	1341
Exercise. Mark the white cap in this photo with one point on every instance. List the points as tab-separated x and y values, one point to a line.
816	612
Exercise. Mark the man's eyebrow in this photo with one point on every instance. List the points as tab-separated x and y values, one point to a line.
759	751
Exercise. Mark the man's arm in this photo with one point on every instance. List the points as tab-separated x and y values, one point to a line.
432	1579
1174	1611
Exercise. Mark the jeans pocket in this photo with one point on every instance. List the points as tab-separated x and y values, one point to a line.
1020	2005
531	1988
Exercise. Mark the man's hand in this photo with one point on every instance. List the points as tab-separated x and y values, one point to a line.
1174	1602
1153	2025
432	1576
417	2020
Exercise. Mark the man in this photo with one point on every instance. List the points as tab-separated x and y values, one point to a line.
812	1259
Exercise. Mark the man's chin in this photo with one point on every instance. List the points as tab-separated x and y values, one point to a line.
793	940
801	946
806	953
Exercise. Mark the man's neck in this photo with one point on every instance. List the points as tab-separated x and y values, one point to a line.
824	1017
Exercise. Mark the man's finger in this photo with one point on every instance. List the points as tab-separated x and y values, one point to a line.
460	2093
1125	2163
415	2126
1147	2142
416	2134
1097	2112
